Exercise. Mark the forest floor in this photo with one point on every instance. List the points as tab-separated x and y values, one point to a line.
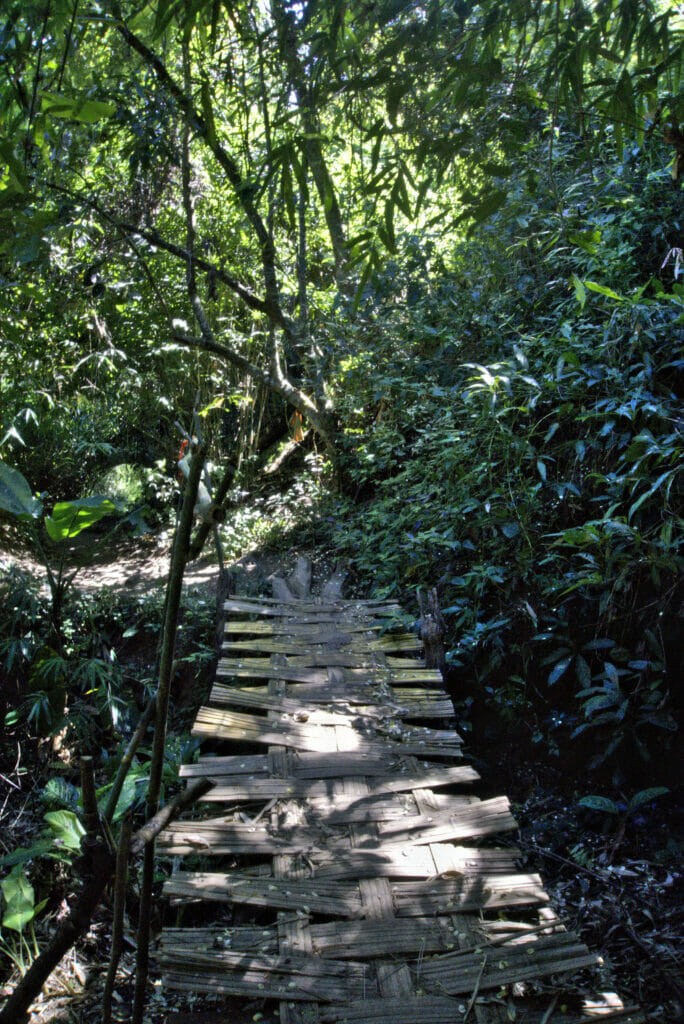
619	887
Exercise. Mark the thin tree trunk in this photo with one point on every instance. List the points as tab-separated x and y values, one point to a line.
173	596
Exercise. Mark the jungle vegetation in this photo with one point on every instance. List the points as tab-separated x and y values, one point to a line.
427	253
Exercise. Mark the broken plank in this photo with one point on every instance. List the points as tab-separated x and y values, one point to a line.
250	728
233	696
484	818
235	788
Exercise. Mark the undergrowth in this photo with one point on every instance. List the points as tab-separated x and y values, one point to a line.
514	439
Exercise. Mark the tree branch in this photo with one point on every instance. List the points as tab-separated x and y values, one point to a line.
244	191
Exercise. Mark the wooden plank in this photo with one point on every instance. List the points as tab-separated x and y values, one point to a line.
244	938
315	896
219	836
261	668
231	788
252	729
293	977
372	938
360	716
324	644
406	1010
371	698
303	610
413	862
355	714
469	893
306	765
480	819
446	1010
295	627
458	973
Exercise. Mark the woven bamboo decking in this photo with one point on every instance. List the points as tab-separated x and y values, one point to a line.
385	894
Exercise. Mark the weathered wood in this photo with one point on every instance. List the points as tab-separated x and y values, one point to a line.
262	668
299	581
310	610
457	973
323	644
250	728
219	836
309	896
354	832
306	765
232	788
294	627
297	705
446	1010
293	977
379	700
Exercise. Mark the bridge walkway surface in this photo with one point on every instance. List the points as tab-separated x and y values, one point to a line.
367	884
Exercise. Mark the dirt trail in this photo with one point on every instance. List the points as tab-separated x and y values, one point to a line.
137	566
140	566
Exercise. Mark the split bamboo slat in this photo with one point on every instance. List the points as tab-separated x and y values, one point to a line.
385	884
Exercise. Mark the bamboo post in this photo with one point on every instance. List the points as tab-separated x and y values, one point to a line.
120	879
173	596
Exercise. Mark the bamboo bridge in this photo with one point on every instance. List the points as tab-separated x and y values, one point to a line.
362	881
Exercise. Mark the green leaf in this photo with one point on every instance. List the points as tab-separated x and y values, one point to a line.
85	111
488	206
20	900
26	853
15	495
645	796
14	178
67	828
587	240
558	670
582	671
601	290
69	518
600	803
580	291
60	793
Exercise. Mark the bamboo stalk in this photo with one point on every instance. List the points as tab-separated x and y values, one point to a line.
120	880
173	596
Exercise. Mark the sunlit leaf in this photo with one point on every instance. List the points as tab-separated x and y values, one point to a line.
15	495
